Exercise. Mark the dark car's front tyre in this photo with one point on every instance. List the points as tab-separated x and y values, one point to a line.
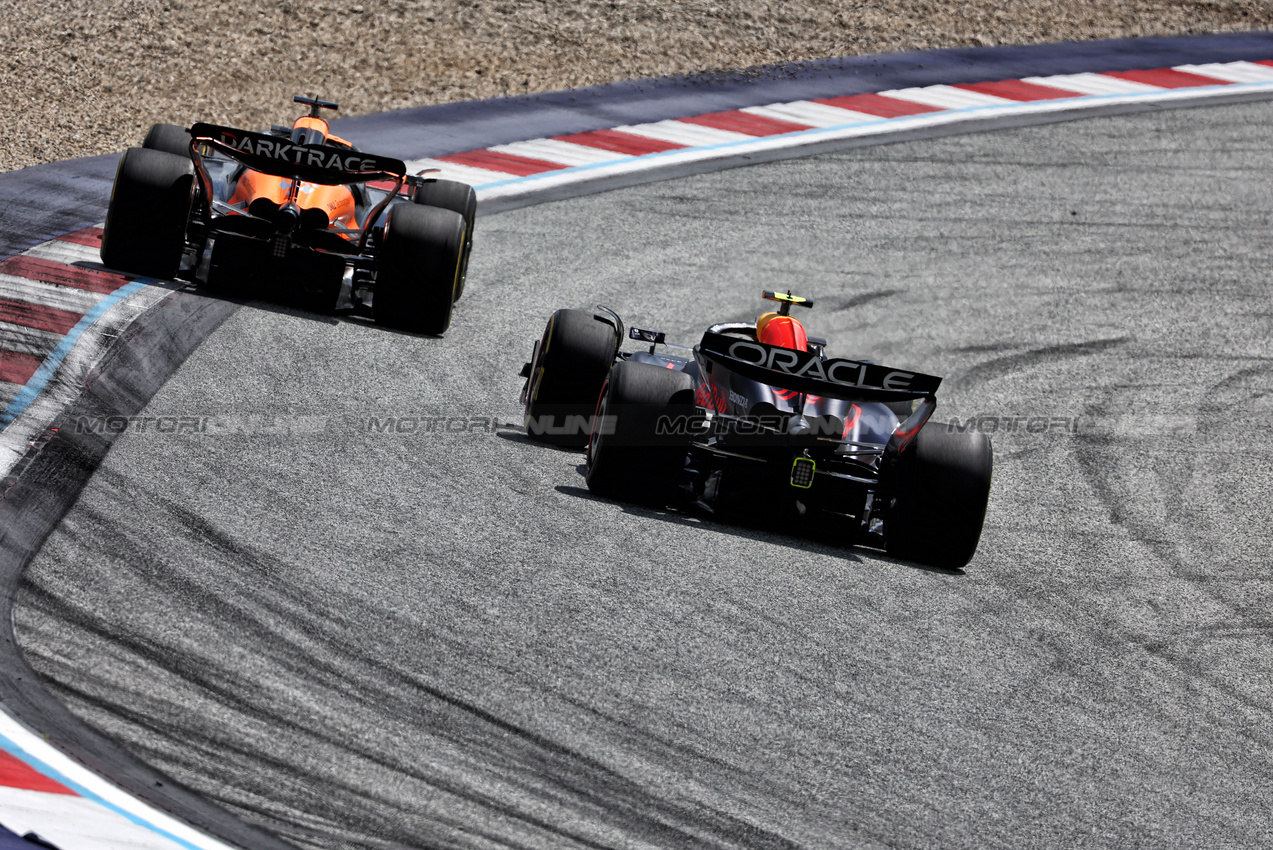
569	368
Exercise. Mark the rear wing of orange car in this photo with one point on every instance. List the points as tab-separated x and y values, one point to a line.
283	158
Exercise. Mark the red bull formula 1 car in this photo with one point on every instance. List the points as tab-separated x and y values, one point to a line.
297	213
757	422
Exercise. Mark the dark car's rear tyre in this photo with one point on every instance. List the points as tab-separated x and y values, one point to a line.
169	138
418	268
630	456
149	210
939	491
570	367
459	198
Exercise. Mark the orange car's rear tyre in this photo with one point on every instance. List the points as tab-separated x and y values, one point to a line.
169	138
459	198
149	210
418	268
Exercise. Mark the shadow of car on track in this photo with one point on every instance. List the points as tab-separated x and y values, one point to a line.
517	434
297	307
813	542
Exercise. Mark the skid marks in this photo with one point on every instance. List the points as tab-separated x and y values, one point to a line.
1180	494
1149	504
487	768
1009	364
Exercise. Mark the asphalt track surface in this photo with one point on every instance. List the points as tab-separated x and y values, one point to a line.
366	639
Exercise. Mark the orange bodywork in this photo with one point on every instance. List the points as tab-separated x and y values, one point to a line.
335	202
309	122
254	184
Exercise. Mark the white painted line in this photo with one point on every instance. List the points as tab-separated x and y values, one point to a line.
946	97
1095	84
74	822
144	827
681	133
752	149
565	153
1232	72
810	113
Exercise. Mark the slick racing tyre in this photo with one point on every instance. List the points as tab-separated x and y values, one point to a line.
629	455
149	209
456	197
570	367
418	268
939	491
169	138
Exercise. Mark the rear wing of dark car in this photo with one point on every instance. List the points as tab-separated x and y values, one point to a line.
807	372
282	157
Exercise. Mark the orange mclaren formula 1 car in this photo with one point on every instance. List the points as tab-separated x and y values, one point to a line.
297	214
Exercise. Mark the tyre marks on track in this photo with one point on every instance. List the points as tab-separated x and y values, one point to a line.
1168	489
536	786
860	300
999	367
